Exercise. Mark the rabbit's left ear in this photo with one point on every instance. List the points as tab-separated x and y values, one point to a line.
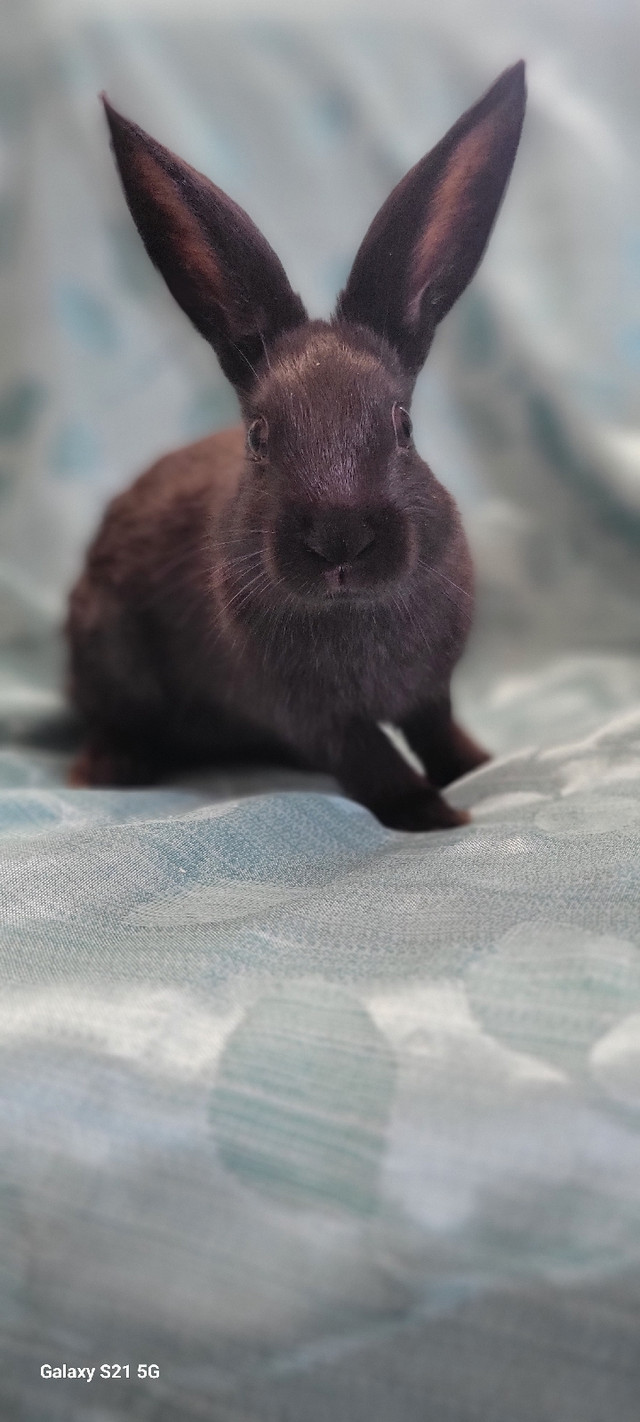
425	243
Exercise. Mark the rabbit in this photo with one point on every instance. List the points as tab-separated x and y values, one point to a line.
290	588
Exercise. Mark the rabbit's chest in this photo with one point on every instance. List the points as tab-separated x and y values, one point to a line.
314	682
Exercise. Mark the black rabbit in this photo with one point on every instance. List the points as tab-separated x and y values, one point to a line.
285	588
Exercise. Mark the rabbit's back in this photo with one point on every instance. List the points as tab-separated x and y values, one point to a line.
181	494
145	666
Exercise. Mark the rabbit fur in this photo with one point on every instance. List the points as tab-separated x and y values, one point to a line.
284	589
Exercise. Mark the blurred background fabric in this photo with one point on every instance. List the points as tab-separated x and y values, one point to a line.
327	1121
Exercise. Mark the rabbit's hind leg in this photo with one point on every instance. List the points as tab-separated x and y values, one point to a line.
104	762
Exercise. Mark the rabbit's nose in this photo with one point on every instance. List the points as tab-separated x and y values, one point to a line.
338	537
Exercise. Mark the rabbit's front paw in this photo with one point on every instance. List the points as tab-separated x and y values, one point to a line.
419	811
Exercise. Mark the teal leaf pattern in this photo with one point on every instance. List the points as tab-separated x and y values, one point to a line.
20	404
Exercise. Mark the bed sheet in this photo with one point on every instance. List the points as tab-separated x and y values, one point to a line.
324	1120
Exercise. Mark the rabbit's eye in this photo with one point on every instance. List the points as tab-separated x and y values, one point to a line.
257	438
402	426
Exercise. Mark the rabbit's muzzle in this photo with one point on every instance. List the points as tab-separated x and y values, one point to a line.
324	552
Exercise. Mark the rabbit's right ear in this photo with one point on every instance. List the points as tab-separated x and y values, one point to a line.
427	240
216	263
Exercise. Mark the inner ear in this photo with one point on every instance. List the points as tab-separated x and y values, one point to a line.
199	273
457	196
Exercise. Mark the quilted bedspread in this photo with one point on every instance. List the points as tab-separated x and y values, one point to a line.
324	1122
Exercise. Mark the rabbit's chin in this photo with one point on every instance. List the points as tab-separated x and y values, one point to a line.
334	588
340	603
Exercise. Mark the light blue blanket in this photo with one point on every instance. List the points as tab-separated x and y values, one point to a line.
330	1123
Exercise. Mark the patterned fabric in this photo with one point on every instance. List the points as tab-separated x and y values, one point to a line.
328	1122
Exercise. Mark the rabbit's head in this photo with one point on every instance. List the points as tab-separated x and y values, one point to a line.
334	495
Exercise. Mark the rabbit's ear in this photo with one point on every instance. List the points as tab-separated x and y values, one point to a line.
216	263
426	241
